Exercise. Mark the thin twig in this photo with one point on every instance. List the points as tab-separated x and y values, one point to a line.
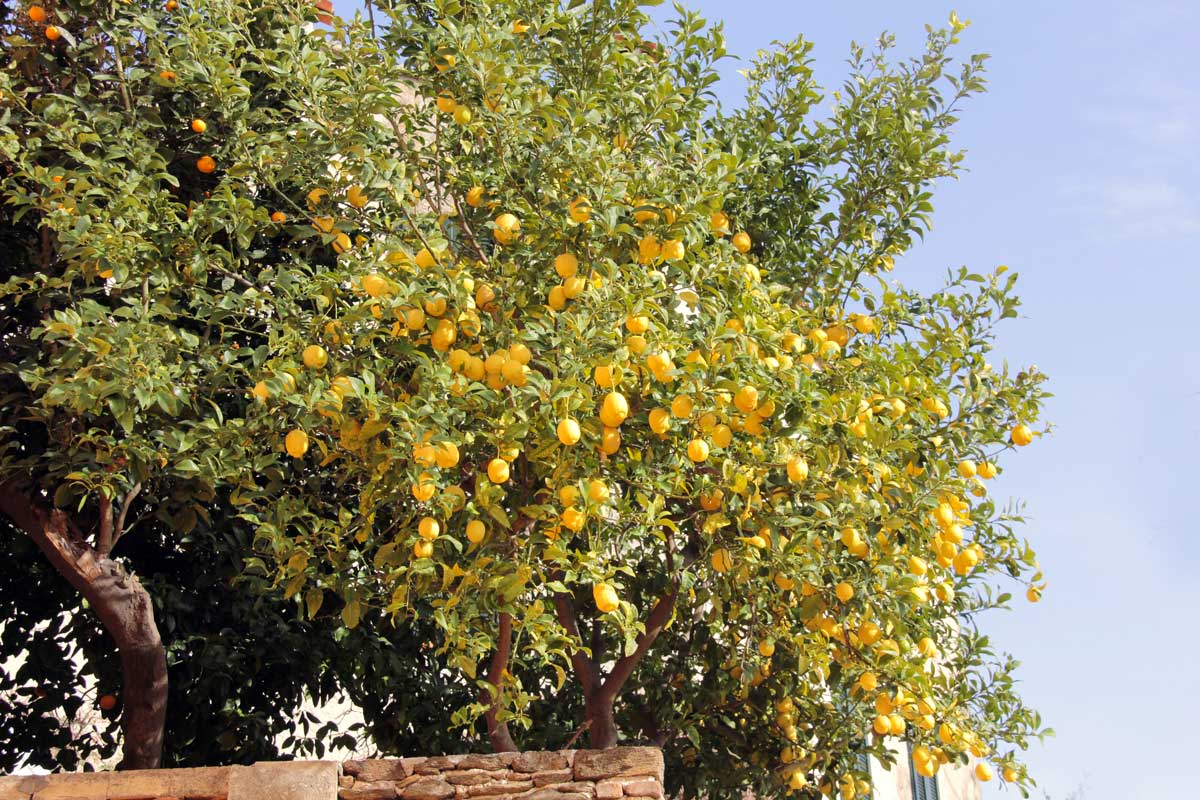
119	530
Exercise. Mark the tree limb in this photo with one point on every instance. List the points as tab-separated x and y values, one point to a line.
119	530
585	668
659	616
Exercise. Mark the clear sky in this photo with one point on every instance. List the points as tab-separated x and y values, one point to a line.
1083	174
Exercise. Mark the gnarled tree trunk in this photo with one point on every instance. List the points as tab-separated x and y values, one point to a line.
125	610
498	733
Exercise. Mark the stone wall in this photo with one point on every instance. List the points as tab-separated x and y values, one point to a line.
635	773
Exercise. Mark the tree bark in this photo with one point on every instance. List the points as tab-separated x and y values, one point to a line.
124	608
600	695
498	733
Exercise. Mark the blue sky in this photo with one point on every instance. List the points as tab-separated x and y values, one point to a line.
1083	167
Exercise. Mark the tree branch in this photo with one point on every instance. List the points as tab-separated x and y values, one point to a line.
104	540
660	615
585	668
119	530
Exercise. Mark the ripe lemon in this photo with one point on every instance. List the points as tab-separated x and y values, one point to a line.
604	375
610	440
711	499
566	265
673	250
746	399
660	420
1010	775
605	597
199	126
797	469
598	491
356	197
476	530
719	222
983	772
987	470
507	228
475	196
1021	435
580	210
375	285
260	392
766	648
315	357
462	115
497	470
741	242
966	468
446	454
637	324
844	591
568	430
722	436
573	519
424	488
614	410
296	443
681	406
423	549
557	299
697	450
428	528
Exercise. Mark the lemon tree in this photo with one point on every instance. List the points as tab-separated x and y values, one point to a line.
487	313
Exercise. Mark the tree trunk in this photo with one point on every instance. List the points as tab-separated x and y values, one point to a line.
125	610
498	733
602	725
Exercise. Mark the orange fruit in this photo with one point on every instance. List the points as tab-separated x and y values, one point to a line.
278	217
206	164
36	14
54	34
107	702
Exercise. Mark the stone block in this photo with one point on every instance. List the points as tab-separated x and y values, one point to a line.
494	761
74	786
285	780
609	790
200	783
472	777
437	764
21	787
587	788
499	787
553	776
646	787
426	788
625	762
539	761
362	790
377	769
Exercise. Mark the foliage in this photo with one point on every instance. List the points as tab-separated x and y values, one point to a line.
485	312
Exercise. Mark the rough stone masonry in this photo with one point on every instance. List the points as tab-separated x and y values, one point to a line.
633	773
